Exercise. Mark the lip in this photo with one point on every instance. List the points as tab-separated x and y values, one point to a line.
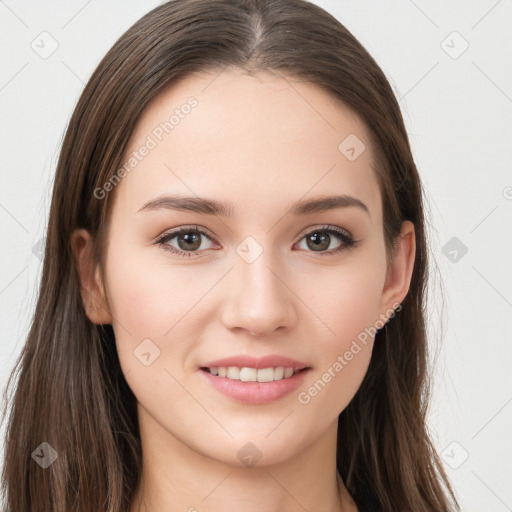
255	393
270	361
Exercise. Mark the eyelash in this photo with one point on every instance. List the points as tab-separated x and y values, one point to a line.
343	235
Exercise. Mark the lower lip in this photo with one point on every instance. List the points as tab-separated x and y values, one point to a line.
255	393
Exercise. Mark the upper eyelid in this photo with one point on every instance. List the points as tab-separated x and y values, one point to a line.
176	231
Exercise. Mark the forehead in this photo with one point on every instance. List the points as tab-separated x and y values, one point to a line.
247	139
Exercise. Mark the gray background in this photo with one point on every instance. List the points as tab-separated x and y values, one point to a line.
457	105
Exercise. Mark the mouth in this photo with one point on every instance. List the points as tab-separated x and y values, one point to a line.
255	381
252	380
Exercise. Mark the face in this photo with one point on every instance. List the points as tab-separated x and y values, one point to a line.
307	282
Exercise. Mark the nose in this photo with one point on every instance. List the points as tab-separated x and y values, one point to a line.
258	299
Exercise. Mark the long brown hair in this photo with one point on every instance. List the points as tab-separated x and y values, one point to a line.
71	392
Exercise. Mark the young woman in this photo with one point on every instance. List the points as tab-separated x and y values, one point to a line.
231	312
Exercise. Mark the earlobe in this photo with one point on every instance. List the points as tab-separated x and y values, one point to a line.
91	284
399	273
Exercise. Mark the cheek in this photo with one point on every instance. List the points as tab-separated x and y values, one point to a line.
141	301
147	303
346	302
348	309
146	299
151	300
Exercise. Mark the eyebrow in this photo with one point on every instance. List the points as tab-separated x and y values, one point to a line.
214	207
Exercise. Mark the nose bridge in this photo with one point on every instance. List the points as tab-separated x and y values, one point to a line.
258	299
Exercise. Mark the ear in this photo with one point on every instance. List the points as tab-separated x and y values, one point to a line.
399	272
91	284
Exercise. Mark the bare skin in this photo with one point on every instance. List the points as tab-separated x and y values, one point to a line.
261	143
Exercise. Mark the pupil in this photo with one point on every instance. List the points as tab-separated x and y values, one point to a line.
319	239
189	240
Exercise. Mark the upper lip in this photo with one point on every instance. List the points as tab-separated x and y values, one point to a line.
270	361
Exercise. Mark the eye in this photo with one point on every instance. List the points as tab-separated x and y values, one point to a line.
321	238
188	240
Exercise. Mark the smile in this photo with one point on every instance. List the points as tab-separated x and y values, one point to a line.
246	374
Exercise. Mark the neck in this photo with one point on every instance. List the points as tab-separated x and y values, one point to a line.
177	478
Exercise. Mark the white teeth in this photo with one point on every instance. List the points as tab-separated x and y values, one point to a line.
248	375
252	374
266	375
233	373
278	373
